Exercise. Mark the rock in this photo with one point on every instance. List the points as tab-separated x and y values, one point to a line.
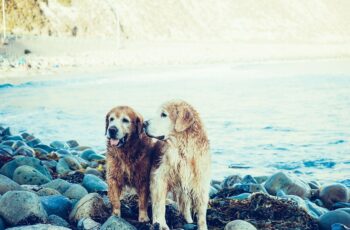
242	196
29	175
314	184
33	143
88	224
239	225
6	132
62	167
13	138
47	192
56	205
289	185
92	206
25	151
62	153
72	143
2	224
40	153
6	150
9	168
212	191
94	184
334	193
91	155
93	172
19	144
59	145
75	191
39	227
248	179
312	209
339	227
230	181
340	205
46	148
58	184
190	227
57	221
6	184
21	207
50	164
117	223
73	163
261	179
248	188
340	216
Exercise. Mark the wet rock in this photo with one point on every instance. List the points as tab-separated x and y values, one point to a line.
58	184
9	168
25	151
213	191
90	155
190	227
6	132
44	147
94	184
93	171
63	153
33	143
289	185
72	143
39	227
57	221
6	184
40	153
56	205
340	216
50	164
216	184
339	227
18	144
6	150
73	163
13	138
76	191
239	225
88	224
230	181
21	207
248	179
117	223
340	205
2	224
334	193
62	167
47	192
261	179
242	196
29	175
314	184
8	143
92	206
313	210
59	145
248	188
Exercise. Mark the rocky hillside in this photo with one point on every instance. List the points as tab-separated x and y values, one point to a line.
192	20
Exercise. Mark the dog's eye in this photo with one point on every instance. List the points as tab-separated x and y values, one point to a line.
163	115
111	119
124	120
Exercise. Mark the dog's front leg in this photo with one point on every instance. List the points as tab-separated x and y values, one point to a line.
114	191
143	193
158	195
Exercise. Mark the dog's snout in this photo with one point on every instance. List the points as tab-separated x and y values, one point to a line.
145	124
112	131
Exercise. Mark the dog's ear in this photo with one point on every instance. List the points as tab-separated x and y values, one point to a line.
107	123
184	118
139	123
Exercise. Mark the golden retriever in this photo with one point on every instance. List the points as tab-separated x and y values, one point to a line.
129	157
183	166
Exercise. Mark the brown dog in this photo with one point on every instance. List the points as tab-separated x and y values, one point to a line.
129	157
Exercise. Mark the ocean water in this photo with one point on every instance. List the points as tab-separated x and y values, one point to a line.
260	118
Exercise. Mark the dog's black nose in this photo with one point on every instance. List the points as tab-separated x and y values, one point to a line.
145	124
112	131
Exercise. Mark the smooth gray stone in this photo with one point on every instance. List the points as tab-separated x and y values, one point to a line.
117	223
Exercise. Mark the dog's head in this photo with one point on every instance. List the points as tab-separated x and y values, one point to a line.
122	125
172	118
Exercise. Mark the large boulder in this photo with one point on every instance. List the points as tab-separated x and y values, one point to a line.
6	184
9	168
92	206
334	193
21	207
340	216
288	185
57	205
94	184
28	175
116	223
75	191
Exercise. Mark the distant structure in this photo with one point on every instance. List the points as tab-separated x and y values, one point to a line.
3	22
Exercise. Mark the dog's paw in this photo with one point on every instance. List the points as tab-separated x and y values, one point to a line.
116	212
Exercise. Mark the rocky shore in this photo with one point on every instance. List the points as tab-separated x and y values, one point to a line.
62	185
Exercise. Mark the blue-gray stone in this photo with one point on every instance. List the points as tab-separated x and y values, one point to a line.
6	150
96	157
8	143
230	181
90	155
242	196
2	224
40	152
248	179
72	143
33	143
47	192
57	221
75	191
190	227
94	184
56	205
45	147
9	168
341	205
62	167
28	175
13	138
339	227
88	224
50	164
116	223
6	184
59	145
25	151
21	207
311	208
72	162
6	132
58	184
339	216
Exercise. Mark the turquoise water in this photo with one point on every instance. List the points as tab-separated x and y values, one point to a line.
257	123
